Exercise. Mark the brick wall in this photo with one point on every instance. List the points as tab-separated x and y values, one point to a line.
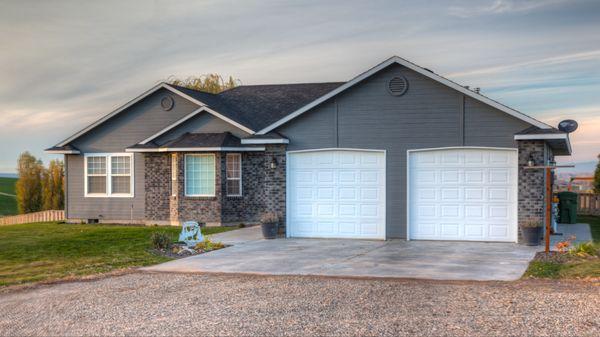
263	189
531	181
157	184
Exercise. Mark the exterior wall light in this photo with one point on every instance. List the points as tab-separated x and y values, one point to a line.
530	162
273	163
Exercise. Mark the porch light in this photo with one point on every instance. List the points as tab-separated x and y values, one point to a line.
530	162
273	163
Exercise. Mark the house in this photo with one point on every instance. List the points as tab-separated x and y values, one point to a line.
396	152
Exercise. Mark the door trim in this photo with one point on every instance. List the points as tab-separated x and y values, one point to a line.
287	182
516	196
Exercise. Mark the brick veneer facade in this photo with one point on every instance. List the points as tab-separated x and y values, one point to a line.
531	181
263	189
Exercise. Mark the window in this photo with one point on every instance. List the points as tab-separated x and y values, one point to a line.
173	174
200	175
120	174
234	174
109	175
96	175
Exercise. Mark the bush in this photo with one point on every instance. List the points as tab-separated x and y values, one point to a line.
269	218
160	240
584	249
207	245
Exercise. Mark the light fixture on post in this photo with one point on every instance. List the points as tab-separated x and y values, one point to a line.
273	163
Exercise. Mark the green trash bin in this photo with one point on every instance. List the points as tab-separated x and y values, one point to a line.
567	207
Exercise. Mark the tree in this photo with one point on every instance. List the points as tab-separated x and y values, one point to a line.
53	186
212	83
597	177
29	185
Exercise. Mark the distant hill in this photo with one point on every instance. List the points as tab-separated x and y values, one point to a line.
9	175
8	201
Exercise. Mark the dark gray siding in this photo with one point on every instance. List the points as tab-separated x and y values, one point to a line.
485	126
140	121
79	207
429	115
130	127
203	122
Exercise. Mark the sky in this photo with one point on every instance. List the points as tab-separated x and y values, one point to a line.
64	64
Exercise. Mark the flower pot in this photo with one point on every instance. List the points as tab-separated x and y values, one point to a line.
531	235
269	230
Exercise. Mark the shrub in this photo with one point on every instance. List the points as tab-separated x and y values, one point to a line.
207	245
584	249
269	218
160	240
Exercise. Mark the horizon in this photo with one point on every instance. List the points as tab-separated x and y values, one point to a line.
538	57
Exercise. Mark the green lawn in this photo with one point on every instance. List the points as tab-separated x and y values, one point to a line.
7	185
8	204
574	267
50	251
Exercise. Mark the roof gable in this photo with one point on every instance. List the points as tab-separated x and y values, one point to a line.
418	69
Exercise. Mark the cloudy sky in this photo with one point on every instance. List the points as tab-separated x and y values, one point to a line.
63	64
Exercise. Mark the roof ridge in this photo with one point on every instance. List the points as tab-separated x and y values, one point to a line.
279	84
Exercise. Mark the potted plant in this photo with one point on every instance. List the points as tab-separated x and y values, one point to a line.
269	223
532	232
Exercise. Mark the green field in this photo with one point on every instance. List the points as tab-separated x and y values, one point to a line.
50	251
8	204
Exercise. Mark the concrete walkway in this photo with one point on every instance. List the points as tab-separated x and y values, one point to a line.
581	232
360	258
238	236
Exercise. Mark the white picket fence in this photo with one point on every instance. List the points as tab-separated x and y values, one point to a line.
43	216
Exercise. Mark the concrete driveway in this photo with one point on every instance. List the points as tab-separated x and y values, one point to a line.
361	258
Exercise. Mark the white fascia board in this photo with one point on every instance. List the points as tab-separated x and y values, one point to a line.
161	85
199	149
170	127
542	136
420	70
62	151
549	136
265	141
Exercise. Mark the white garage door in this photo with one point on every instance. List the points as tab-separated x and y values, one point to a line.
463	194
336	194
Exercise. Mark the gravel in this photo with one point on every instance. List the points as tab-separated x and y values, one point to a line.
201	304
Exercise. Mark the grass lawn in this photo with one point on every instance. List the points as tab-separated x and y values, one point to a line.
573	267
50	251
8	204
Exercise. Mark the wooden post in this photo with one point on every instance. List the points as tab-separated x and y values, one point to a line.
548	207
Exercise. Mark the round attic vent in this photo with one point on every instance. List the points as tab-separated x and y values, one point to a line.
398	85
167	103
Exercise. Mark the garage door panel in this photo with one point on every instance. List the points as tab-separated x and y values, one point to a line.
463	194
343	197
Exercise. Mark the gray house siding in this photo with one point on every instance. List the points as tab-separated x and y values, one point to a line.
429	115
129	127
122	209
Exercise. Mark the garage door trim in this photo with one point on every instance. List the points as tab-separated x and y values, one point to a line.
408	177
287	182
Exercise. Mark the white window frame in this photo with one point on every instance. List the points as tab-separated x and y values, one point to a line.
227	179
109	193
185	180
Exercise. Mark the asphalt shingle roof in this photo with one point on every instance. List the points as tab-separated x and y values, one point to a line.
258	106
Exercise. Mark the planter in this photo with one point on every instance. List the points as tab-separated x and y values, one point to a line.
269	230
531	235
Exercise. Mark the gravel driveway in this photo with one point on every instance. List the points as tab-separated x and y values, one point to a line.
192	304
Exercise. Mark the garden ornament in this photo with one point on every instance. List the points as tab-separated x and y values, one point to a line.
190	233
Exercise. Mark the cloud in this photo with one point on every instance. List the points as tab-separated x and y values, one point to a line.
501	7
